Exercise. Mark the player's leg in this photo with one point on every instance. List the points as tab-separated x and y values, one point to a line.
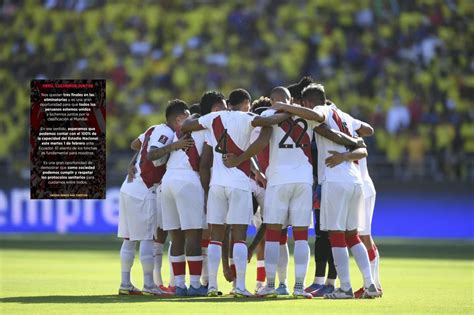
178	260
194	259
239	217
217	208
320	256
355	208
261	275
159	241
334	200
282	267
206	238
127	250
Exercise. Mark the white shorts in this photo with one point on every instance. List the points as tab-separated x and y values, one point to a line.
289	204
341	206
369	205
259	194
182	205
226	205
137	218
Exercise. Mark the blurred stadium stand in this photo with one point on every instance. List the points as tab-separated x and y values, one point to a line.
406	67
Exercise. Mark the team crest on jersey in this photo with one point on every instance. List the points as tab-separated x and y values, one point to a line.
163	139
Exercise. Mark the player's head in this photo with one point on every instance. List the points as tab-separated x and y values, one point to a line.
212	101
280	94
239	99
195	109
296	89
313	95
260	105
176	113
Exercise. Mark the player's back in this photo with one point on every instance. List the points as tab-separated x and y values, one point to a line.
347	171
290	158
186	162
229	133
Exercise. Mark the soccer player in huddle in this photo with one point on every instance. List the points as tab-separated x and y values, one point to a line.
139	216
342	196
229	199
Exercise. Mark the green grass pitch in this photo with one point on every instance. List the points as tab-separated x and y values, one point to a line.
80	275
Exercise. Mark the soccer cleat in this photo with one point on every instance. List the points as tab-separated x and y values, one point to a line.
258	286
301	293
181	291
152	291
313	287
238	293
131	290
358	294
171	289
326	289
201	291
212	292
282	290
370	292
266	292
340	294
232	291
165	290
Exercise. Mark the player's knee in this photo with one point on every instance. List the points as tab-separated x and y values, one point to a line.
352	240
300	234
337	239
283	237
272	235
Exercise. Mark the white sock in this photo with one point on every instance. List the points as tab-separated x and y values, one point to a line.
240	260
148	261
319	280
272	254
376	274
331	282
341	261
172	279
158	263
181	277
195	269
301	256
282	267
127	256
204	273
214	254
362	259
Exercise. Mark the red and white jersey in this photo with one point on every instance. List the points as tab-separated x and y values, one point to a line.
347	171
185	164
367	183
148	175
229	133
290	158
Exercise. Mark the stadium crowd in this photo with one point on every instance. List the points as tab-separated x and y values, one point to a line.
406	67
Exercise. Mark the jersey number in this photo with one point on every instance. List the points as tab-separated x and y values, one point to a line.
292	124
221	146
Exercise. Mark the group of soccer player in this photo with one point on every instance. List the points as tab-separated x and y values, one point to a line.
211	169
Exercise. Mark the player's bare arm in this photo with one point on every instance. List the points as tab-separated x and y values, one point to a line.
337	158
339	137
297	110
230	160
205	165
259	176
136	144
132	170
157	153
274	119
191	124
225	255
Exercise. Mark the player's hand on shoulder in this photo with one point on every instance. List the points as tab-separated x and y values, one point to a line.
361	143
184	143
335	159
279	106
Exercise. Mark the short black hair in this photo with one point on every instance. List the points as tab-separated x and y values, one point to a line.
297	88
209	99
176	107
315	93
195	109
260	105
280	92
238	96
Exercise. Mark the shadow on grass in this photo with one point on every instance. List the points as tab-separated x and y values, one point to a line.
92	299
394	248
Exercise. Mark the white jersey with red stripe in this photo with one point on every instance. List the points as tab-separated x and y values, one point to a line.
185	164
347	171
148	175
229	133
264	155
290	158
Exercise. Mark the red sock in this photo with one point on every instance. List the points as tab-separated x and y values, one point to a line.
261	275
